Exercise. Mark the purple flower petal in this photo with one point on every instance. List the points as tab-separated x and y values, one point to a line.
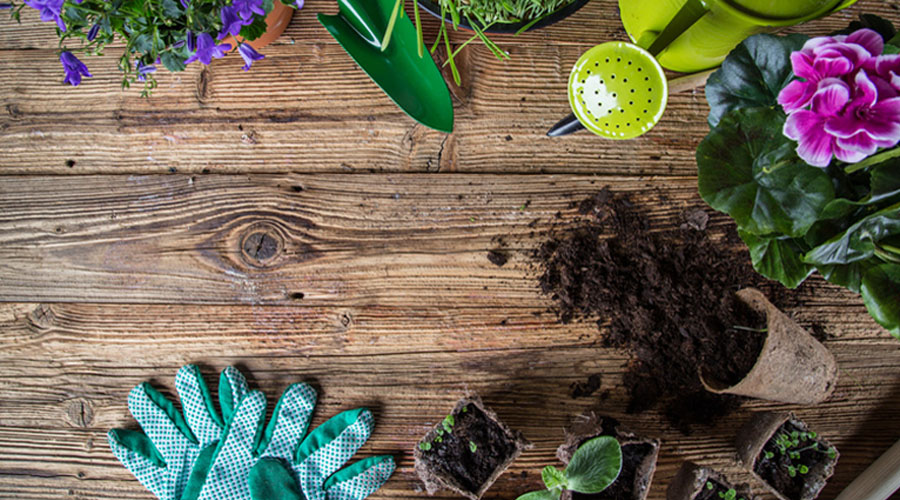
796	95
868	39
249	55
231	22
832	96
298	4
74	68
93	32
815	146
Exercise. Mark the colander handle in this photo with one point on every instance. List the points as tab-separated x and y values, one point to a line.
565	126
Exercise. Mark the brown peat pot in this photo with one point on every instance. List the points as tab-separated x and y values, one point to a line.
793	367
638	458
758	451
467	451
693	483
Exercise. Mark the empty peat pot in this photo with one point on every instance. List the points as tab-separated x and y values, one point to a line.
780	450
467	451
638	458
792	367
694	482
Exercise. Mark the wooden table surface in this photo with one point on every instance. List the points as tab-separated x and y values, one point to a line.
124	222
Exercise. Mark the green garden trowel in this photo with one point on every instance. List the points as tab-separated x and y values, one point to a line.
414	83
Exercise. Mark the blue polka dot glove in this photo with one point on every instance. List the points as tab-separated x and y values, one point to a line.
171	444
255	461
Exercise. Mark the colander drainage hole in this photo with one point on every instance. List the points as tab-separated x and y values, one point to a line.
618	59
612	77
629	63
646	78
607	59
625	80
632	91
631	103
640	68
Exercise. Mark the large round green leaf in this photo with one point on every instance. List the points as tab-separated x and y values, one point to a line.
859	241
748	169
752	75
541	495
777	259
595	465
881	294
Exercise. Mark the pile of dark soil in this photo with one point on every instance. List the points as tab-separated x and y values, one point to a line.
668	296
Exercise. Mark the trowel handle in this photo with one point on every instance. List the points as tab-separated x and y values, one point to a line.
565	126
879	481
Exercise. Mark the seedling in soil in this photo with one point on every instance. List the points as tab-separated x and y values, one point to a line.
467	450
714	490
594	466
695	482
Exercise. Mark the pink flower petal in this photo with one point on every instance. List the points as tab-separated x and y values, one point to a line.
802	65
801	123
815	146
860	142
832	96
868	39
884	65
866	92
847	155
796	95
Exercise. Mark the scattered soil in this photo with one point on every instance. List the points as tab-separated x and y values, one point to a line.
623	487
775	470
453	455
668	296
586	388
497	257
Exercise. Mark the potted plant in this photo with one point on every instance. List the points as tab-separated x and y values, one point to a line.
593	467
803	156
693	482
467	451
638	458
173	33
484	16
792	366
781	451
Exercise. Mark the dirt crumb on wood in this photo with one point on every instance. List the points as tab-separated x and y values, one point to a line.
498	257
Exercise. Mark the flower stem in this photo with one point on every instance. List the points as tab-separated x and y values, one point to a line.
873	160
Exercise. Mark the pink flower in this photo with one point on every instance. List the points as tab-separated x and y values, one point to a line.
808	127
827	57
867	123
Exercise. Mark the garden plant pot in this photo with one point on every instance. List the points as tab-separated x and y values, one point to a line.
793	367
693	483
759	452
467	451
638	458
276	22
434	8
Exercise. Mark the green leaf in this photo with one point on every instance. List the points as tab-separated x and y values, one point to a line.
778	259
747	168
541	495
173	62
172	9
752	75
881	294
142	43
845	275
254	30
595	465
554	478
870	21
859	241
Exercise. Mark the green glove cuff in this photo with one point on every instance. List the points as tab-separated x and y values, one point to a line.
270	479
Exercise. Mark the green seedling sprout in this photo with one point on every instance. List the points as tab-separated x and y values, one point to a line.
472	446
594	466
792	444
446	426
729	494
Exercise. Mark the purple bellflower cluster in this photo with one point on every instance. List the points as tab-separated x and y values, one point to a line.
846	103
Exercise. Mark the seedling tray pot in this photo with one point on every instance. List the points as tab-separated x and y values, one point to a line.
691	480
436	477
759	430
793	367
644	451
434	8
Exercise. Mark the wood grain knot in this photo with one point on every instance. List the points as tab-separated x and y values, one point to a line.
79	412
42	317
261	245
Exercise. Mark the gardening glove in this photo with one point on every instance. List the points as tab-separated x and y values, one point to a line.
163	455
253	462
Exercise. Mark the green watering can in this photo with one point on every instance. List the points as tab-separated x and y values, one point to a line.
695	35
414	83
619	90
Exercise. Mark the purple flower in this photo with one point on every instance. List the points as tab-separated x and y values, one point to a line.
191	45
185	4
246	8
50	10
231	22
808	127
298	4
249	55
207	50
827	57
74	68
143	70
866	123
93	32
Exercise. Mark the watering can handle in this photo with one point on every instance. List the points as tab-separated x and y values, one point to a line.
687	15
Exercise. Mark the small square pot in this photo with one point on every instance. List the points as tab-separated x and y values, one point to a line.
638	458
468	459
759	436
693	483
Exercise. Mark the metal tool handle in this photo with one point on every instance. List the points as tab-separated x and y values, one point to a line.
565	126
879	481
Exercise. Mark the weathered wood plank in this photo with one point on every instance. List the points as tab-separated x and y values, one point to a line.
341	239
407	363
293	110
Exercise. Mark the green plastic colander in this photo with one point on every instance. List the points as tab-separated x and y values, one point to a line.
618	90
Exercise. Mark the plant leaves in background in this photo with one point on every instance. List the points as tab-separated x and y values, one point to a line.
554	478
881	294
172	9
870	21
541	495
845	275
172	61
595	465
748	169
778	259
254	30
752	75
859	241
